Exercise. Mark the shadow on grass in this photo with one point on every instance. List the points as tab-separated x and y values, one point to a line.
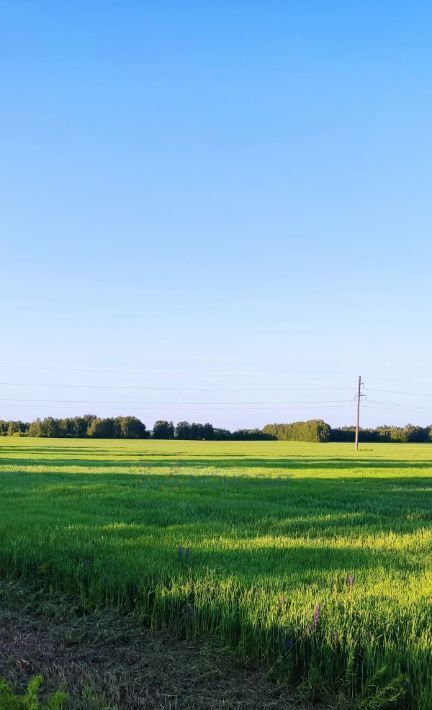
224	505
290	463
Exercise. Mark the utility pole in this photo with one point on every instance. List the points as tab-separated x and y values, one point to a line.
358	397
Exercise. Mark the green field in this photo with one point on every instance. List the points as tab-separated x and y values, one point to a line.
250	542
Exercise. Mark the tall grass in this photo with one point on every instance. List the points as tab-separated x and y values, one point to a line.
305	557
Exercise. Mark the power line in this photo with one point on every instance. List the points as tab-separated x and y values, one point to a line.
358	397
169	370
410	394
182	408
254	405
168	389
393	406
224	404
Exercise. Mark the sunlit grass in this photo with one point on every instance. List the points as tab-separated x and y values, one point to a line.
274	529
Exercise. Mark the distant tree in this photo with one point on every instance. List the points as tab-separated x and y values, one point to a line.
49	427
131	428
208	432
83	423
80	425
222	434
163	430
104	429
415	434
311	430
65	427
196	431
252	435
96	429
16	428
183	430
35	428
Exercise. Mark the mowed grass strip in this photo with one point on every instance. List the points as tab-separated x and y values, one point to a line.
307	557
103	660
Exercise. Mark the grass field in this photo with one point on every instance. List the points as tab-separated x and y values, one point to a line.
308	558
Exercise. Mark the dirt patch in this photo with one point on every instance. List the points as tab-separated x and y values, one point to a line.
104	660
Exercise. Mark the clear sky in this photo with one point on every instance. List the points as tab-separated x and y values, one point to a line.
216	210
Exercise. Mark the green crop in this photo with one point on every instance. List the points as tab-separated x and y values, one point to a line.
29	700
309	558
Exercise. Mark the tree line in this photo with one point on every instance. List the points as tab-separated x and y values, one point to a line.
318	430
91	426
409	434
311	430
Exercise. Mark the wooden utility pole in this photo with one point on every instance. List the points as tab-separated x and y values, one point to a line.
358	397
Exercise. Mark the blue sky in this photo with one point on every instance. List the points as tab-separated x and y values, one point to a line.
216	211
